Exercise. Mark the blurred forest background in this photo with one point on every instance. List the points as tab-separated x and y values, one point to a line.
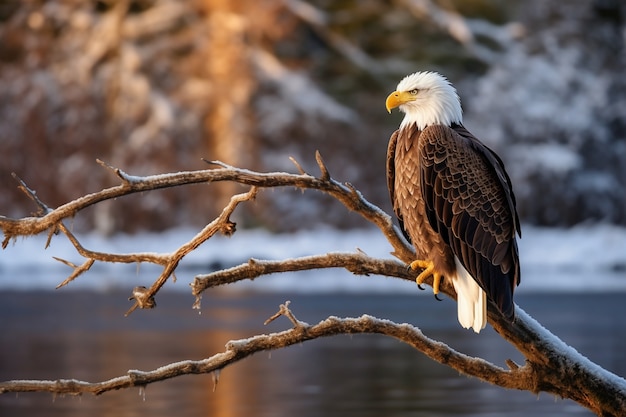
153	86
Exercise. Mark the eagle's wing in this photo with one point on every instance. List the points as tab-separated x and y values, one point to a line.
470	203
391	178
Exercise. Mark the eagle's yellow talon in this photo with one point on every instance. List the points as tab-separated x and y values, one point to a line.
417	264
437	278
428	270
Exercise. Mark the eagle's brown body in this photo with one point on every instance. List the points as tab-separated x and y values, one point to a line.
454	199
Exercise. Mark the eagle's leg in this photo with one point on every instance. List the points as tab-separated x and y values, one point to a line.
429	269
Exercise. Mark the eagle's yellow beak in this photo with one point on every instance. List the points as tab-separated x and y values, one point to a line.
398	98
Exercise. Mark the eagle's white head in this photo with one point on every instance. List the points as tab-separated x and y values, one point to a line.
427	98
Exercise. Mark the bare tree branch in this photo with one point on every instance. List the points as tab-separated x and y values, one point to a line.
237	350
345	193
357	263
52	219
550	366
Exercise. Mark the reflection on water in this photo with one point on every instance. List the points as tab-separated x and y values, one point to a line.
84	335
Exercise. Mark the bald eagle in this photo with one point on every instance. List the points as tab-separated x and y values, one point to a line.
453	199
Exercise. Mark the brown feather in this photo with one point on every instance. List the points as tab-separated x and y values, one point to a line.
453	197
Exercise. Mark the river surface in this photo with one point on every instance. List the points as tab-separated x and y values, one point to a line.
84	335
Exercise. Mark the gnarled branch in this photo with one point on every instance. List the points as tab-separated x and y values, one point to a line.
358	263
551	366
237	350
345	193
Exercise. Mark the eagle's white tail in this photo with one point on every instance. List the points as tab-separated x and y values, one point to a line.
471	299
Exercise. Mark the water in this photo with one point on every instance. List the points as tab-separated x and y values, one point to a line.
83	335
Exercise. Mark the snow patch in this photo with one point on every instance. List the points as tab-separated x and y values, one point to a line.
583	258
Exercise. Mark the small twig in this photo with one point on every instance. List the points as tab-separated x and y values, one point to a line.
43	208
78	270
109	167
127	258
285	311
216	163
281	312
117	171
298	166
323	169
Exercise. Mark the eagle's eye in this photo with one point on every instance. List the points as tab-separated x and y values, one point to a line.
414	92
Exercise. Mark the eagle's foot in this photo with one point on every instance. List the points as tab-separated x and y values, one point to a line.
428	270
